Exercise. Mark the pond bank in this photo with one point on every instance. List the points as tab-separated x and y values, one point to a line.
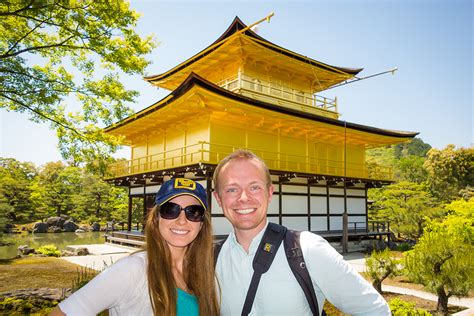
60	240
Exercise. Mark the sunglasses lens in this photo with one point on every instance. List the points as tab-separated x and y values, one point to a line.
170	210
194	213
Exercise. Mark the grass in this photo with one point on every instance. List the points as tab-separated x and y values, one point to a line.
50	272
36	272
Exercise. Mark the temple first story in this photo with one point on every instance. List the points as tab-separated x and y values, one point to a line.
316	203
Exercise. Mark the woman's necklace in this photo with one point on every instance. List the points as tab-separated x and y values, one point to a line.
180	283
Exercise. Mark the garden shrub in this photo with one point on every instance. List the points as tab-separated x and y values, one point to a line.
18	306
49	250
400	307
404	247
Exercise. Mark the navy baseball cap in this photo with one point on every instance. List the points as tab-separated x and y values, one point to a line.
181	186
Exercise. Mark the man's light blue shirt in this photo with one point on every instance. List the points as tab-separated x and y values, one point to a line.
279	293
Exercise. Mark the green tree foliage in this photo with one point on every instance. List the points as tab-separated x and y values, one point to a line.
406	160
100	199
15	189
416	147
30	194
462	208
442	258
55	189
406	205
54	50
380	265
449	171
411	169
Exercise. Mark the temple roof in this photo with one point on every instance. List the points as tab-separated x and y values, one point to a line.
195	80
328	75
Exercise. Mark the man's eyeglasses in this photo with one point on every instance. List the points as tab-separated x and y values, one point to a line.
194	213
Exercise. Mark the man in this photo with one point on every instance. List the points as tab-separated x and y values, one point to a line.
243	189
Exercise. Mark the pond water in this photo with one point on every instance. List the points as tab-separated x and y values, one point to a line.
61	240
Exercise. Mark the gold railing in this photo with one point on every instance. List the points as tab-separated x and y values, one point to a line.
303	100
212	153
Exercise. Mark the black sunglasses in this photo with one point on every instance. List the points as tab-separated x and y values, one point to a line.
194	213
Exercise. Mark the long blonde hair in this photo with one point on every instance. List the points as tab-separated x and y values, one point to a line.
198	269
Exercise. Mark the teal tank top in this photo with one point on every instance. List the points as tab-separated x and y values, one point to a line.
187	304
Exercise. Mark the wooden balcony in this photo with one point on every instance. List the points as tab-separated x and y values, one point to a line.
281	95
208	153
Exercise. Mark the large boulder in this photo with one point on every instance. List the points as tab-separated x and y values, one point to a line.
95	227
82	251
55	221
54	229
40	228
24	250
70	226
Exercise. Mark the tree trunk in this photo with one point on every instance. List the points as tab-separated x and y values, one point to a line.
377	284
442	306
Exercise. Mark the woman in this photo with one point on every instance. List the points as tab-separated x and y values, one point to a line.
175	276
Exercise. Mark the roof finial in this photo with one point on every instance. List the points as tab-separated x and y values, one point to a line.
268	17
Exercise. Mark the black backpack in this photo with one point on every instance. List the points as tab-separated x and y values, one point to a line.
268	247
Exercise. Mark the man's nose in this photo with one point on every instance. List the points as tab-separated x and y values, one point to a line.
244	196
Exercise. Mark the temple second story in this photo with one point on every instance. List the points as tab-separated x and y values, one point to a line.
245	63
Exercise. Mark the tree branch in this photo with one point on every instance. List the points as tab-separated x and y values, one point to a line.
24	36
35	78
27	7
34	48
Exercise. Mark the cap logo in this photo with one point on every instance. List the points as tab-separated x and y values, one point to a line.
182	183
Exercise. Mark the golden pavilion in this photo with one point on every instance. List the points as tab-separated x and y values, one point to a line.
243	91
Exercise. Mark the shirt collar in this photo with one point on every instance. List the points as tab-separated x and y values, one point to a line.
253	245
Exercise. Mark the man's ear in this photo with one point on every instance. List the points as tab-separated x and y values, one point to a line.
218	199
270	193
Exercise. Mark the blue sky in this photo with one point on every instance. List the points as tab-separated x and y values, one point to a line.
431	42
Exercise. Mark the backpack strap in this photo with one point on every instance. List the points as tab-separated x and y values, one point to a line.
297	264
266	251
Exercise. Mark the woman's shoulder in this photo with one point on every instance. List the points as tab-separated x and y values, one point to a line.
137	259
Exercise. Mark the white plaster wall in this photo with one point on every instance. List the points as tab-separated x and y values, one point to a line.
294	204
336	205
294	189
335	222
319	223
221	226
273	206
355	192
137	190
318	190
318	205
355	206
152	189
296	223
